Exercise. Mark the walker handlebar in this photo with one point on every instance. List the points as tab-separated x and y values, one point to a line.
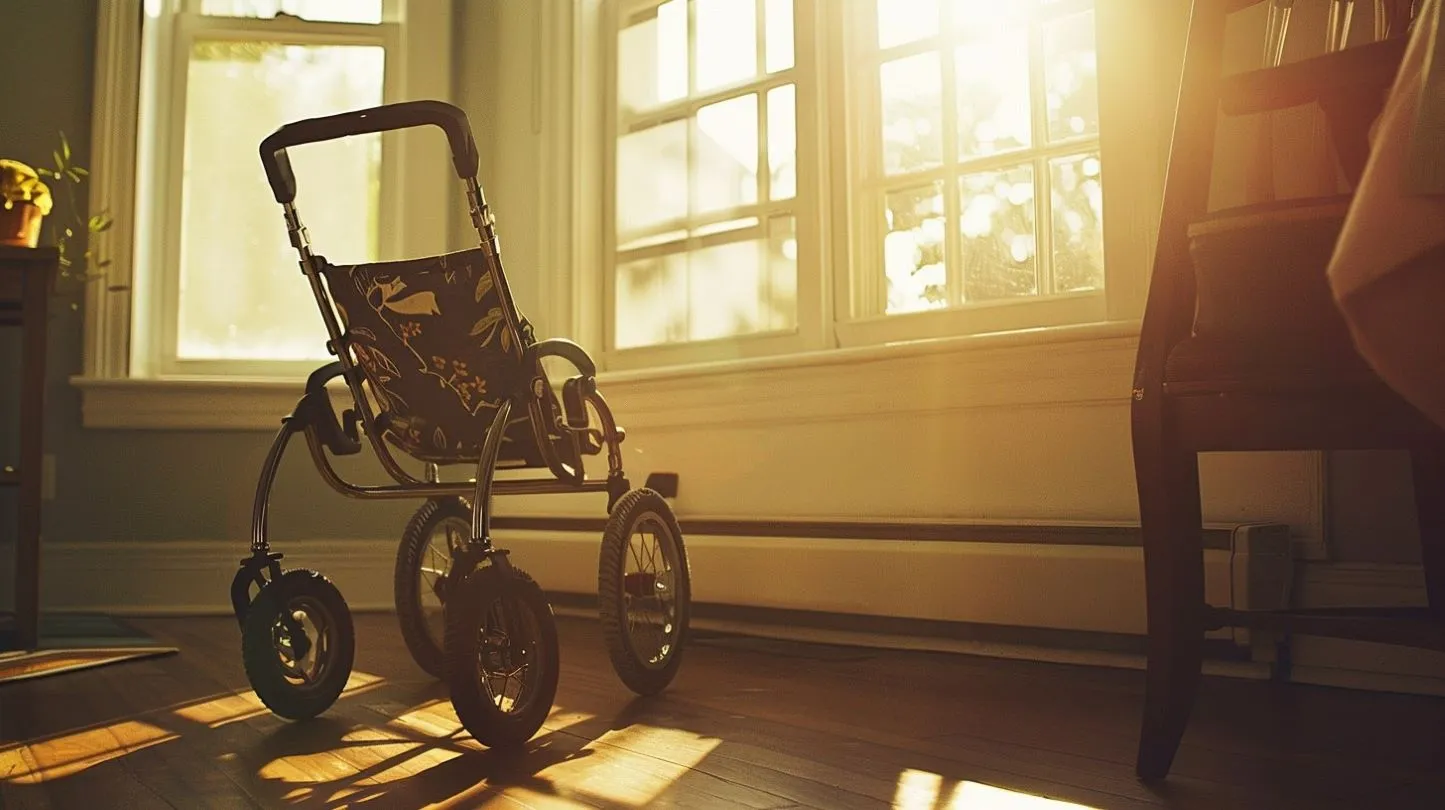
402	115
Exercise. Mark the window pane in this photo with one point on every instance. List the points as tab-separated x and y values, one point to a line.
652	302
780	282
1078	229
913	249
783	142
993	94
980	19
725	155
1071	77
713	292
724	293
778	29
912	113
727	42
999	247
241	295
351	11
651	177
901	21
652	59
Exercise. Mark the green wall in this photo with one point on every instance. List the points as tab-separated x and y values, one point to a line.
129	484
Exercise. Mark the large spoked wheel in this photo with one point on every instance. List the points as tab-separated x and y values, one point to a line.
502	660
439	529
644	591
298	644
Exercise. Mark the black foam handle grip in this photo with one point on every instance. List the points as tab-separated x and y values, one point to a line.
402	115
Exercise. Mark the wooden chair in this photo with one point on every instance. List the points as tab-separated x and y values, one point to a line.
1242	349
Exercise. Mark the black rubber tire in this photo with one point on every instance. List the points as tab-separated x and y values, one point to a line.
640	676
259	655
466	615
425	650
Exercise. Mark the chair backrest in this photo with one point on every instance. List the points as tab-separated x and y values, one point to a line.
1350	85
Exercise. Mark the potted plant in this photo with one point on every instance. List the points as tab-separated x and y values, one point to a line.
26	201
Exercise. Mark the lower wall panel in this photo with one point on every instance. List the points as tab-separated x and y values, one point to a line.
1090	592
1084	588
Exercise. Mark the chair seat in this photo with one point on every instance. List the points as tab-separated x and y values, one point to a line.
1277	364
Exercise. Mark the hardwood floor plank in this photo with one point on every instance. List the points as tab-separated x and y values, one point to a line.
763	726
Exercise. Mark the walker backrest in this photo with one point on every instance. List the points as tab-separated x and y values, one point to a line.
431	339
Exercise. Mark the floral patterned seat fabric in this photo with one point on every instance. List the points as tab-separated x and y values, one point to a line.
437	353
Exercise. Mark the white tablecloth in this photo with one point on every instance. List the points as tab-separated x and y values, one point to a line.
1399	208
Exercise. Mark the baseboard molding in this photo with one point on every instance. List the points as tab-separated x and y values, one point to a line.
1068	603
1362	664
1056	586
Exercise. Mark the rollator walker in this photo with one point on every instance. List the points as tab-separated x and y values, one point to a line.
442	368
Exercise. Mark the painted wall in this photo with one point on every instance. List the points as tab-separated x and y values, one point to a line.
946	438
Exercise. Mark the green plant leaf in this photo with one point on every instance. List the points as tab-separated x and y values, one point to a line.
80	171
65	145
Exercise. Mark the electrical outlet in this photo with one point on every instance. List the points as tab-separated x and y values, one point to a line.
47	477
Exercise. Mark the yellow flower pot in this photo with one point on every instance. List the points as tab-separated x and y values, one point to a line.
20	224
24	203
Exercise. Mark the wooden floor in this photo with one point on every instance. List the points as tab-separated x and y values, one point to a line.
748	724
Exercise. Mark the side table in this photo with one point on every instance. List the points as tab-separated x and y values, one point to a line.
26	276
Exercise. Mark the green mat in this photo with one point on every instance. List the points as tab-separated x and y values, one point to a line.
77	630
73	641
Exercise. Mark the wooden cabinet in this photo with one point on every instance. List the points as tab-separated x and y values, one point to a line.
26	276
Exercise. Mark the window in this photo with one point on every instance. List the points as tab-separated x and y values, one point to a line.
217	287
703	229
954	173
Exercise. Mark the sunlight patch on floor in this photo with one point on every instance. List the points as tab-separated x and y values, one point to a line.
633	765
69	754
231	708
921	790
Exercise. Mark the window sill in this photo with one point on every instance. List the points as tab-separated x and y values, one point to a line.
1087	335
1082	364
188	403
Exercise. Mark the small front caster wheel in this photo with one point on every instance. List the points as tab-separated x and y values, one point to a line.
298	644
501	655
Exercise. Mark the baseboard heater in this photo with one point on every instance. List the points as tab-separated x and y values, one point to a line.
1071	588
1055	585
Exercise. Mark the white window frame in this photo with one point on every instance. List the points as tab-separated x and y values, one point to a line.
614	15
1140	44
1138	78
124	335
862	292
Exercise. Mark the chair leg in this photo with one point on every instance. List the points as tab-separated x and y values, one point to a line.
1428	465
1170	513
